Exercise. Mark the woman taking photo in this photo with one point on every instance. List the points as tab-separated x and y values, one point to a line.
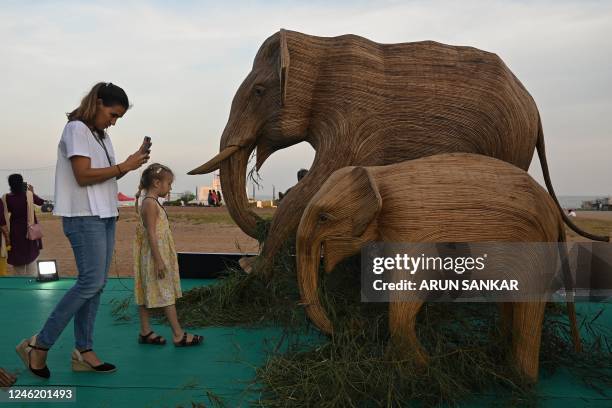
86	177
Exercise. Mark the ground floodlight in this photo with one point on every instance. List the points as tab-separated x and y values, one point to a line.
47	271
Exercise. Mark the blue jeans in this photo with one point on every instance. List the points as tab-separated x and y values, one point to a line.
93	241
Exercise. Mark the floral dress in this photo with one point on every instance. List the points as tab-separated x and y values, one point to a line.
150	291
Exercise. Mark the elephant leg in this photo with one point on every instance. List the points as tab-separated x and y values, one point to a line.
526	336
402	325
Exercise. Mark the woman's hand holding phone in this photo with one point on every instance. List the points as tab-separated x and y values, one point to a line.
145	148
138	158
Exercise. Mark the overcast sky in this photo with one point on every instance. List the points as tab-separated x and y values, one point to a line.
182	63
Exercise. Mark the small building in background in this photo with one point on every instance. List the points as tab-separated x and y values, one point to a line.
202	191
598	204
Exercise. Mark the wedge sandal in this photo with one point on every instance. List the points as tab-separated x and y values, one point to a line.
24	349
80	365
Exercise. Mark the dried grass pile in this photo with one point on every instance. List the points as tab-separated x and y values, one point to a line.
356	368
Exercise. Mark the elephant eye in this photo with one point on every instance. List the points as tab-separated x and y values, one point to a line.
259	90
324	217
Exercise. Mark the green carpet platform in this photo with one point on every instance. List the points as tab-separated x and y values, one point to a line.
148	376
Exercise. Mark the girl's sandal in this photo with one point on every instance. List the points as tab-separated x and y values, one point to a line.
195	341
24	349
147	339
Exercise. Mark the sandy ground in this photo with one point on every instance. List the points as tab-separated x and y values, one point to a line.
194	230
212	230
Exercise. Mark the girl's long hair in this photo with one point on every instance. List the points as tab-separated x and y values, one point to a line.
110	94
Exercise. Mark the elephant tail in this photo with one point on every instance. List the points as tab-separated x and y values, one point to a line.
542	155
569	290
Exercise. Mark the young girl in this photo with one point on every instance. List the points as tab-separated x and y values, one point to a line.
157	282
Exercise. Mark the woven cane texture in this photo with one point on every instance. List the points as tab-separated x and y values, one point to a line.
359	102
454	197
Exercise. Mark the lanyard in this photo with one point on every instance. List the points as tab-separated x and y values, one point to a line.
101	143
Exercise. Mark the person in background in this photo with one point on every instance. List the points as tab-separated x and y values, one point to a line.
3	226
210	199
5	242
86	177
219	198
300	175
215	199
24	252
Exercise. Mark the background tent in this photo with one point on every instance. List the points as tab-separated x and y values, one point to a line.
124	200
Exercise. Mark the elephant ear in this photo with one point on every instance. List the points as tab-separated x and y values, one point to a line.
284	65
370	201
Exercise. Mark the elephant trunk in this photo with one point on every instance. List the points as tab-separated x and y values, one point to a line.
233	170
308	258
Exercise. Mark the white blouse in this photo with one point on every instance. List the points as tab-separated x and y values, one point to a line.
72	200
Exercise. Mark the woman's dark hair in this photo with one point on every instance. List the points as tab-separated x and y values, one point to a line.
153	172
16	183
110	94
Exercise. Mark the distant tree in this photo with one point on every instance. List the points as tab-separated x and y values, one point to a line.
187	196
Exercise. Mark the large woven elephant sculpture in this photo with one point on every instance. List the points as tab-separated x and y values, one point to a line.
358	102
429	200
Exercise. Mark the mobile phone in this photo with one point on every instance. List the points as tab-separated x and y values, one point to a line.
146	145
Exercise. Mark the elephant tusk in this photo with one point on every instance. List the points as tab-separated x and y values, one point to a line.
214	163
